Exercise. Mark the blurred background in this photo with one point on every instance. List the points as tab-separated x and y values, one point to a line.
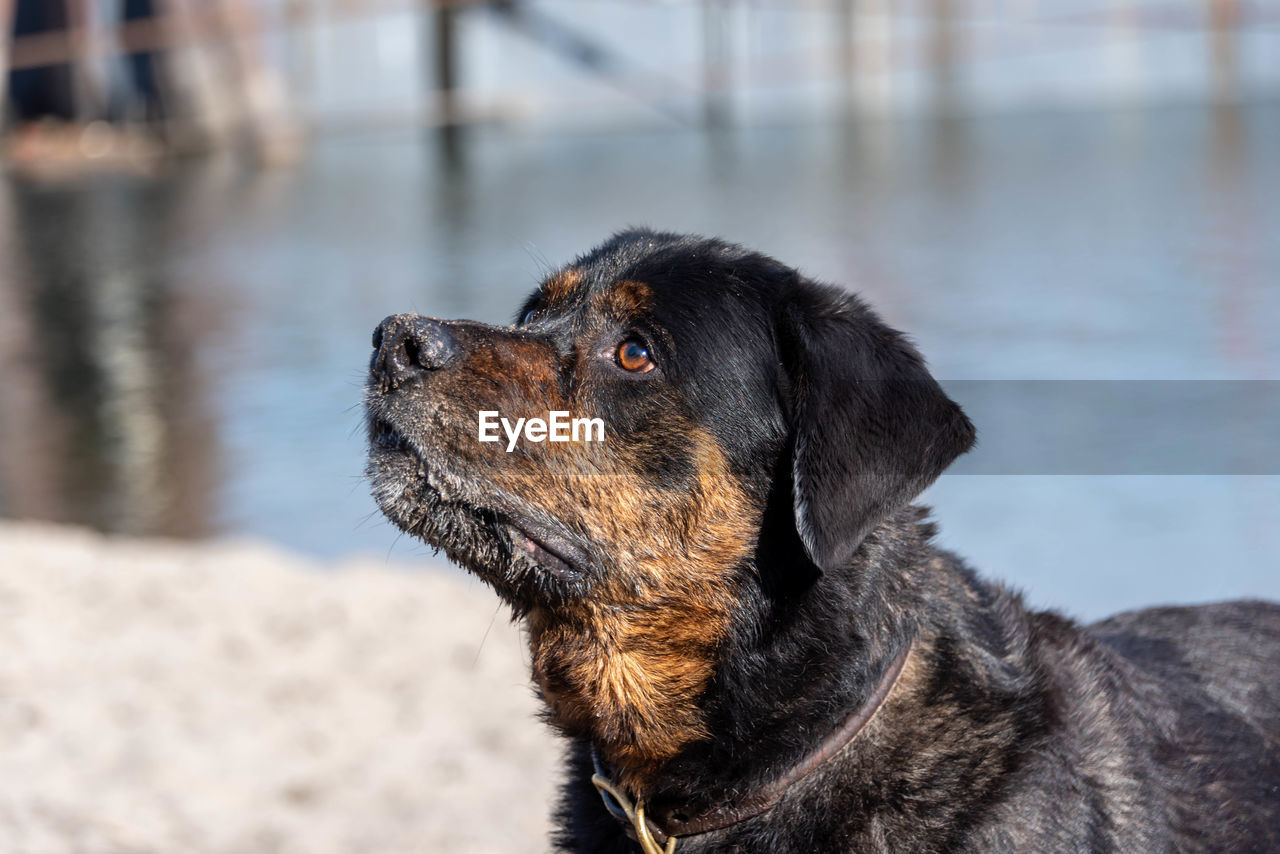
207	205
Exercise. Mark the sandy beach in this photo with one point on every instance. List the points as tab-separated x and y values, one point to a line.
230	697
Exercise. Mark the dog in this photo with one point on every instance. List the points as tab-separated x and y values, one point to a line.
736	615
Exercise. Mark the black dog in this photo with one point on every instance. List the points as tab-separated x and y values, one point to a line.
737	617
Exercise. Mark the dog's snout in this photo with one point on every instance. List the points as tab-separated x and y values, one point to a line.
409	344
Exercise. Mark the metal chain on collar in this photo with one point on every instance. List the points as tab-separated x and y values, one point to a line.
635	815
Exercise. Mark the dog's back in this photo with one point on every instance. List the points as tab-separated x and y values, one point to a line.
1228	654
1167	739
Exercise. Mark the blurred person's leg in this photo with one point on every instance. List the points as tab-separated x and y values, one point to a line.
6	26
48	91
143	70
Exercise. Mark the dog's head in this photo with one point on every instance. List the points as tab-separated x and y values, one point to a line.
727	386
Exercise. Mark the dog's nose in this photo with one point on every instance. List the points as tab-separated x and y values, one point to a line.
407	344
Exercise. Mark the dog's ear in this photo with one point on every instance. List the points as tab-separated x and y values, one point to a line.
870	427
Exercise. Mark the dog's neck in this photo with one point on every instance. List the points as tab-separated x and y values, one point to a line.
662	825
811	658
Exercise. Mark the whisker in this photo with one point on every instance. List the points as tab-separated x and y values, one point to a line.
393	545
485	637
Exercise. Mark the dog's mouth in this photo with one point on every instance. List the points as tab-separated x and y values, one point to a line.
538	549
384	437
522	553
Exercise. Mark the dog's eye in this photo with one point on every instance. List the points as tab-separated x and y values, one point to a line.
634	357
528	317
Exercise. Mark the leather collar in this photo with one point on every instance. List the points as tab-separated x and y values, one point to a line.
673	823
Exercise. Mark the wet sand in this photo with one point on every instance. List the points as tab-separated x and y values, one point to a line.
229	697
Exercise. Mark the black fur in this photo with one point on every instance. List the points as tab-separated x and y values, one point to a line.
1011	730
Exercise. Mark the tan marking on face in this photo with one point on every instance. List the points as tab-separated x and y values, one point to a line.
561	286
516	376
626	298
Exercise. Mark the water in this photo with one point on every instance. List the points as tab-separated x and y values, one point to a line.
184	355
